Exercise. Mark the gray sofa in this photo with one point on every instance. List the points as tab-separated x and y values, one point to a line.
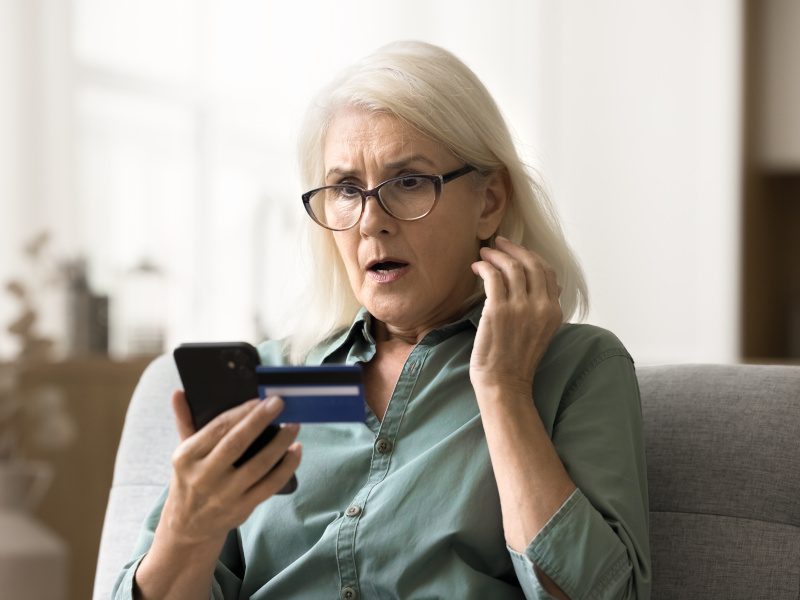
723	451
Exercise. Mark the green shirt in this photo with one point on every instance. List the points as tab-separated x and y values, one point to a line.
409	508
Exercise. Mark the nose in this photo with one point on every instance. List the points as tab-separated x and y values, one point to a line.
374	220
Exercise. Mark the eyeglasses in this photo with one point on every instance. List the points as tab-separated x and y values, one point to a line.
407	198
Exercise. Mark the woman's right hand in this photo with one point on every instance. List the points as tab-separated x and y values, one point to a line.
208	496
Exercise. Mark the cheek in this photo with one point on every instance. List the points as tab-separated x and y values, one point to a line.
448	261
348	252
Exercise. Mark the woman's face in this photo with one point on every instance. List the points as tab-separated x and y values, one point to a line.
431	257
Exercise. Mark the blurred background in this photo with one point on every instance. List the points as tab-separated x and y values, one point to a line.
149	193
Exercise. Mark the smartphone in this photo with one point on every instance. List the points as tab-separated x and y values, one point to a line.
216	377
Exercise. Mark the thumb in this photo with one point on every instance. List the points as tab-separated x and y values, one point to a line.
183	416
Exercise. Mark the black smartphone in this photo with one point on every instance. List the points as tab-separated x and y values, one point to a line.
216	377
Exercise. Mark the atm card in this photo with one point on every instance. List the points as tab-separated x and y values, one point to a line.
315	394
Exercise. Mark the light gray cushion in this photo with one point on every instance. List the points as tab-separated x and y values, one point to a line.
723	451
141	471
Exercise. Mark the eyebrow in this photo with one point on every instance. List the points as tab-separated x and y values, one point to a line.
397	164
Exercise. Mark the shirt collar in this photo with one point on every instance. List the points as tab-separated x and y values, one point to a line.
356	344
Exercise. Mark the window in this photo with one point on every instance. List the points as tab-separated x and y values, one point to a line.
184	123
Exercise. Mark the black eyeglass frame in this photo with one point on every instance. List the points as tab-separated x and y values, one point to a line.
437	180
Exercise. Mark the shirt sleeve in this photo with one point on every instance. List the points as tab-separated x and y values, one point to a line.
597	544
227	580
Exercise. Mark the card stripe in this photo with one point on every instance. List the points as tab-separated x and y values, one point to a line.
310	390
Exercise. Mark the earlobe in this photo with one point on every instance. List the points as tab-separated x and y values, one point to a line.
496	195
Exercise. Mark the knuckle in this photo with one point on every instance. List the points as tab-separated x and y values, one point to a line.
233	446
180	457
218	427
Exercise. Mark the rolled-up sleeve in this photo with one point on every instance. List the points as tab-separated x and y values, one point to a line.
597	544
227	573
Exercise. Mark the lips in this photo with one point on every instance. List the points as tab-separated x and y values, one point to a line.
384	265
386	269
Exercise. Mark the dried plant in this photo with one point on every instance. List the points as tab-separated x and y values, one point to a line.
39	413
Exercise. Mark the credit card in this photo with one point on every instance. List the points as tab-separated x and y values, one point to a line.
315	394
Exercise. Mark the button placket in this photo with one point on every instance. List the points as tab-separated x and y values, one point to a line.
379	465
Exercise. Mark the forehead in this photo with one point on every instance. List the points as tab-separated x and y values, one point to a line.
357	135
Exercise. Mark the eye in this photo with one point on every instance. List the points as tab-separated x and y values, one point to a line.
410	183
349	191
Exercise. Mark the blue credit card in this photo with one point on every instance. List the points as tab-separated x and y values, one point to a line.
316	394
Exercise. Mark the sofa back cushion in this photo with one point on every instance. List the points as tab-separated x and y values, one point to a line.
723	459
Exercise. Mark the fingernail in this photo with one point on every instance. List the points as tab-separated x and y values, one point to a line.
272	403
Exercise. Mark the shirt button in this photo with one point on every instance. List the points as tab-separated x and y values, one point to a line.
383	446
349	593
353	511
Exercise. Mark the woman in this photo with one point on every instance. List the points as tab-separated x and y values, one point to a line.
502	455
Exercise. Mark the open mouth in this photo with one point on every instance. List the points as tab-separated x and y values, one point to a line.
387	266
387	271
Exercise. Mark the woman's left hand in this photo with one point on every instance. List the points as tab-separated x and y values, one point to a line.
520	317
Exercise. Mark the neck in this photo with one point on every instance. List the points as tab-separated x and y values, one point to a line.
389	335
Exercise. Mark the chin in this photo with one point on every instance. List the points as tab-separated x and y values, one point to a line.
393	315
394	311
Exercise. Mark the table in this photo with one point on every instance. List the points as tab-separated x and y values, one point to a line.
97	391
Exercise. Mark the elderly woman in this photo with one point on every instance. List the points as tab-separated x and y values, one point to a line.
502	454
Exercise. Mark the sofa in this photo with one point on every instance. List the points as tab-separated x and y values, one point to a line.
723	453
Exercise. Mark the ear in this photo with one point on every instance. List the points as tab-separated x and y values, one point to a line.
495	197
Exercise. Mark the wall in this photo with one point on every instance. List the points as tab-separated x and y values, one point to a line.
630	110
15	147
642	149
35	159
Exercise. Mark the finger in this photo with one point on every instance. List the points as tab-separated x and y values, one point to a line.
514	272
205	440
233	444
274	481
553	295
270	455
492	280
521	253
528	258
183	416
535	266
553	289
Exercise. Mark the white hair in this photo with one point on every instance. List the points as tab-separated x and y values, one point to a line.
430	89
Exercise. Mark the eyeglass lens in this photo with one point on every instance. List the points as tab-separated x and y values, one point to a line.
339	207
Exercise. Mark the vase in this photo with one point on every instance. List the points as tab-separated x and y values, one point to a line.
23	483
